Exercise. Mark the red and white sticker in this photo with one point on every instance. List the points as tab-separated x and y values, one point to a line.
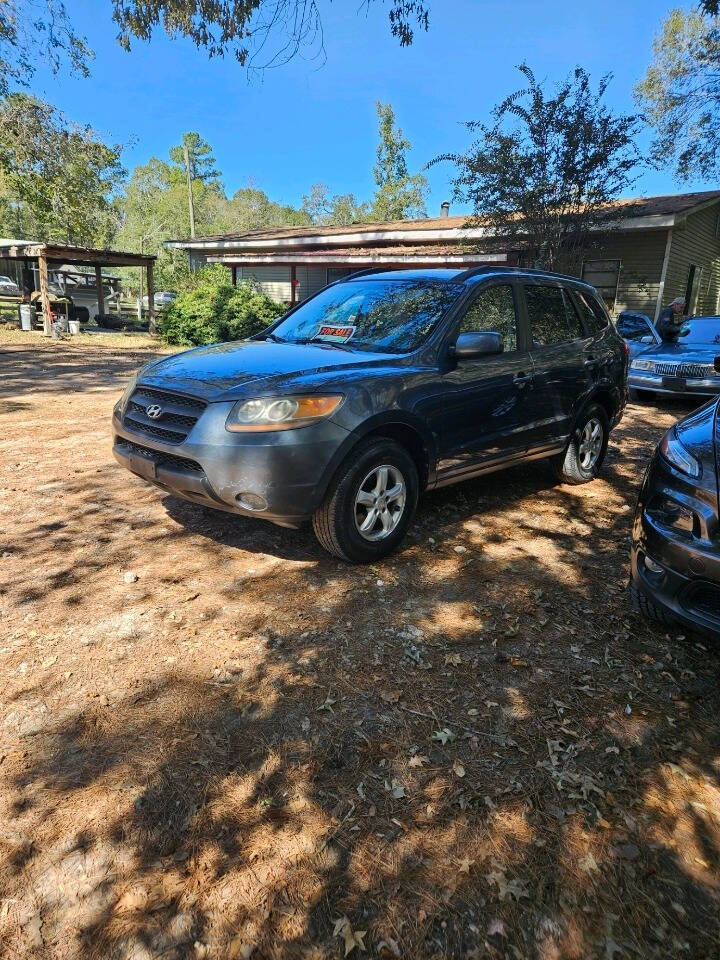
333	334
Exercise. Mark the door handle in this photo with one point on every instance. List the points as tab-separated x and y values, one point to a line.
591	362
520	379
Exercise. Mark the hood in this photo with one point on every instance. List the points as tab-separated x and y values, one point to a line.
687	352
221	371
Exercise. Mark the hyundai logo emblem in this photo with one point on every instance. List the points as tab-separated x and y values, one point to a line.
154	411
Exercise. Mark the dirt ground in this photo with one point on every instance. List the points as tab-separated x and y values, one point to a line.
217	742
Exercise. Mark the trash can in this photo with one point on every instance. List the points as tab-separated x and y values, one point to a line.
26	313
74	326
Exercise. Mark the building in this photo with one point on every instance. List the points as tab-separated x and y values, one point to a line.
653	249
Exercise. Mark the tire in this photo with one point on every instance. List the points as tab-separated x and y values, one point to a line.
574	466
336	521
643	605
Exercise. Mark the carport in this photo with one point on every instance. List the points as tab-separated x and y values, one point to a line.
51	254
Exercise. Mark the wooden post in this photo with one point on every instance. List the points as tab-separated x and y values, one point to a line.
151	296
293	285
234	276
99	287
45	295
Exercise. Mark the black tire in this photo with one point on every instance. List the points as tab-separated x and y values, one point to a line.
643	605
334	522
568	466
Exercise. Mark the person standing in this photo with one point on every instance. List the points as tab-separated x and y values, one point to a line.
670	321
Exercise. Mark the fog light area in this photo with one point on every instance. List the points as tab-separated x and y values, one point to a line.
251	501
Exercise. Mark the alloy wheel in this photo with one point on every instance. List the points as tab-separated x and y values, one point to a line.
380	502
591	443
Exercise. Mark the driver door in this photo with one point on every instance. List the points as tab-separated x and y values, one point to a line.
487	410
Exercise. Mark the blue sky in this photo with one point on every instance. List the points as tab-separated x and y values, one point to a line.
308	122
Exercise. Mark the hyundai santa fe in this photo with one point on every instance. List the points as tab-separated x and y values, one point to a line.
379	387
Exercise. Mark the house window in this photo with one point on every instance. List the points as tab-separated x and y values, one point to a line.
604	275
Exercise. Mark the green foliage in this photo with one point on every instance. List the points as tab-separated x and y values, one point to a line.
544	174
340	209
58	180
399	196
213	310
274	30
200	155
680	93
37	30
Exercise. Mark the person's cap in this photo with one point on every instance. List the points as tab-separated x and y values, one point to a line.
677	301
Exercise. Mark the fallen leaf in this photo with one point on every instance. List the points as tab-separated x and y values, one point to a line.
588	863
496	926
352	938
443	736
464	865
453	660
391	696
418	760
458	769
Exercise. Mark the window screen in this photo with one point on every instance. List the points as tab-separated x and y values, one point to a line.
604	276
493	309
549	322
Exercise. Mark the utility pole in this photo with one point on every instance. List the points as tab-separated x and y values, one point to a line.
190	193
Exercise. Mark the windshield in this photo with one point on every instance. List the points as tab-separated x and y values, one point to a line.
701	330
392	316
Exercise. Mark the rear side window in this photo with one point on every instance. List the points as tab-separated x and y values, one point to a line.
592	313
550	320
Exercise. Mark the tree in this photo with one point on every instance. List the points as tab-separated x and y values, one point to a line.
252	209
59	180
680	93
399	196
34	30
544	175
247	29
340	209
202	161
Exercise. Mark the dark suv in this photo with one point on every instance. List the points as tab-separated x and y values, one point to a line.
381	386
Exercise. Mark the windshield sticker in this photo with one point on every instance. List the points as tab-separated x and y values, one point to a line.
332	334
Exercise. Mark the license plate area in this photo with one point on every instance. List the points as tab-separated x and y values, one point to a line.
142	465
674	383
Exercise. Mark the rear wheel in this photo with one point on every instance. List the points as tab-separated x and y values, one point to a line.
371	500
586	451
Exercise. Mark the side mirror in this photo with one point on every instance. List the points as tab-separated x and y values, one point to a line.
472	345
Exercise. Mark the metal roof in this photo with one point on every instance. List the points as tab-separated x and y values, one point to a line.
68	254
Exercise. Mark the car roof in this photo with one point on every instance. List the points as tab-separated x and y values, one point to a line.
471	275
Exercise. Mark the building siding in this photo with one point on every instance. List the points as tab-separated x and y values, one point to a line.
695	243
641	257
274	281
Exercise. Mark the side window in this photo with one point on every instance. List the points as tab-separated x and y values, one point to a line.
573	317
594	316
548	317
493	309
632	327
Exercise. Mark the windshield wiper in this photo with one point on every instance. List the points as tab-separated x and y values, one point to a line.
274	338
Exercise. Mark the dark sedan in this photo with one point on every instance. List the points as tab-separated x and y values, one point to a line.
689	365
676	534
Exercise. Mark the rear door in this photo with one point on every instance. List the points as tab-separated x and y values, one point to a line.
487	404
561	351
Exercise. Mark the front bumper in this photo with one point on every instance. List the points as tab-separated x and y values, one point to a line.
285	472
644	380
688	586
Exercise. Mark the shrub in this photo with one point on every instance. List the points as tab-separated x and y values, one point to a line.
213	310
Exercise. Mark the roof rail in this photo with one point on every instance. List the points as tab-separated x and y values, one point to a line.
493	268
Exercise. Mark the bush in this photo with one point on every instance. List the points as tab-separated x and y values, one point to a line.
215	310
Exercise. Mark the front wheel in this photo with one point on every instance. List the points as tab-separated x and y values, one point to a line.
586	451
371	500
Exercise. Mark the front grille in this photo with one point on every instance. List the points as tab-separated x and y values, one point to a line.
698	371
704	599
160	458
179	414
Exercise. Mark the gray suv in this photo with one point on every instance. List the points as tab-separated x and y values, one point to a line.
381	386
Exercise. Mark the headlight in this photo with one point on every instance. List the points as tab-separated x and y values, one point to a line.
678	455
642	365
127	392
280	413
